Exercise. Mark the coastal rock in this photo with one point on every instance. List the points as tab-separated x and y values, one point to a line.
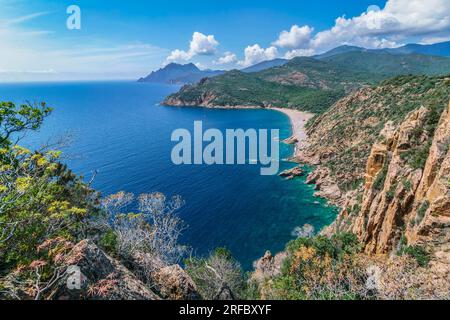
292	173
325	186
205	100
331	192
291	140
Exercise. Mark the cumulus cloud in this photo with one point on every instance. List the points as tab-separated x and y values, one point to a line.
227	58
388	27
297	37
400	21
255	54
179	55
201	44
299	53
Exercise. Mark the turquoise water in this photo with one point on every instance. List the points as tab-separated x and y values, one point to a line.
119	129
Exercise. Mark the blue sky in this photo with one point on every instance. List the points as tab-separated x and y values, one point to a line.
127	39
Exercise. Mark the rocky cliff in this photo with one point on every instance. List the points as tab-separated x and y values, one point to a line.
393	183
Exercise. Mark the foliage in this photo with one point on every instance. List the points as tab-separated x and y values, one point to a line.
417	156
384	65
44	207
16	120
40	199
407	184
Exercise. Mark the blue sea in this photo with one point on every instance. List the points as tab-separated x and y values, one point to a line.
119	130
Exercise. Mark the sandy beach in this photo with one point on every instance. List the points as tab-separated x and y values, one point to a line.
298	122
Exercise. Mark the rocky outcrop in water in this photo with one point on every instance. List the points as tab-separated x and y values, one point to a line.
290	174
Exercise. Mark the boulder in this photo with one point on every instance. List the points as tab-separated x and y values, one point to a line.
92	274
174	283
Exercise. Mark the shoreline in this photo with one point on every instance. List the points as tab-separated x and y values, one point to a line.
298	119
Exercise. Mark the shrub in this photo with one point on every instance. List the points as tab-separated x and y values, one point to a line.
378	184
407	184
422	210
419	253
417	157
218	276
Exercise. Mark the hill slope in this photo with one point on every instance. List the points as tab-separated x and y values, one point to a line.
305	83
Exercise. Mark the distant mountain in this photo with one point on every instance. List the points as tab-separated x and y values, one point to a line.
438	49
175	73
338	50
265	65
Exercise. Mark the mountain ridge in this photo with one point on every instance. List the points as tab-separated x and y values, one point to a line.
175	73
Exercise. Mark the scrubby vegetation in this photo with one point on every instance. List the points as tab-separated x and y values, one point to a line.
321	268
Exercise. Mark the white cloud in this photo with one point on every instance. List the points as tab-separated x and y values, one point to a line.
297	37
179	56
203	45
388	27
435	39
255	54
227	58
200	45
299	53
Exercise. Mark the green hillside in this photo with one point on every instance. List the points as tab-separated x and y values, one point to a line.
306	83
